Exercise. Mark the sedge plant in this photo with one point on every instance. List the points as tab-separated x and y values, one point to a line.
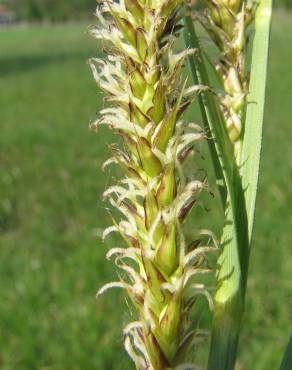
141	75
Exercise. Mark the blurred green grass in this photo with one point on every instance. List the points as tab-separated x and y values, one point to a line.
51	257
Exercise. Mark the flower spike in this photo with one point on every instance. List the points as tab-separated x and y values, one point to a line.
142	79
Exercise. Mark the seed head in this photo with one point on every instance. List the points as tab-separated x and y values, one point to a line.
227	22
147	96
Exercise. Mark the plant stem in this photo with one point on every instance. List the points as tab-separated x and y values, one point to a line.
228	316
241	190
229	298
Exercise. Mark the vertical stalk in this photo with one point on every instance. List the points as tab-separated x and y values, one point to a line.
241	181
228	316
229	297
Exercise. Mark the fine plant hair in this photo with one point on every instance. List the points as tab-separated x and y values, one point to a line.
146	97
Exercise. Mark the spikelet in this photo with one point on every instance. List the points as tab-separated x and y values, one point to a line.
142	81
227	23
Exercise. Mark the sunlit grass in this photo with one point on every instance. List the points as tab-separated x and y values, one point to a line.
52	262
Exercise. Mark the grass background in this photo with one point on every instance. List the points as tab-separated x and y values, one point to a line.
51	256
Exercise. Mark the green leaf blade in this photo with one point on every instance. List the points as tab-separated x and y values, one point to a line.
210	115
252	143
287	359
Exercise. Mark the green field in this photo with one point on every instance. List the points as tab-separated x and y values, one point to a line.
51	214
